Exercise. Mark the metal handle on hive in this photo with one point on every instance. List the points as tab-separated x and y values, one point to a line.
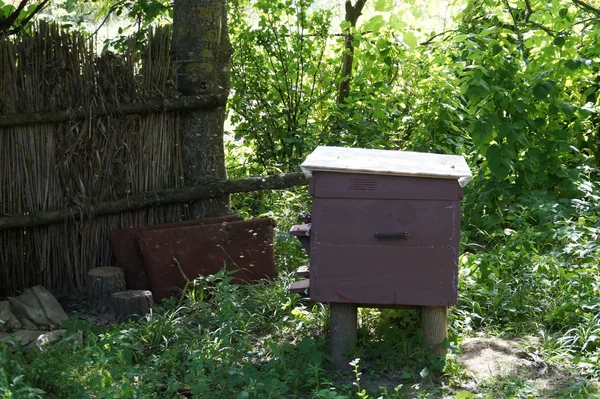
392	235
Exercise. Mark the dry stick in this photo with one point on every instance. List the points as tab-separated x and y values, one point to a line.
159	197
187	281
186	103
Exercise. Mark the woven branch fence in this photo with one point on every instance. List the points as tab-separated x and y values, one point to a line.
77	163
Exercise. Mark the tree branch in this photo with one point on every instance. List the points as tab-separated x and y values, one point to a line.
112	9
587	6
432	38
583	21
353	12
184	103
158	198
26	20
6	23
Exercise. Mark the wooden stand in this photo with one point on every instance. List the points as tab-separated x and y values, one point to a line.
131	304
102	282
434	324
343	331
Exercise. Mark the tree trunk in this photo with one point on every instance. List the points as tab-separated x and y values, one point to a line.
102	282
131	304
352	14
202	51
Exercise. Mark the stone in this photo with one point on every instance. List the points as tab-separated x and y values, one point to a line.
8	321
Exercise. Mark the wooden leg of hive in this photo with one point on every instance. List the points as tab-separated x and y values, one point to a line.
434	321
343	332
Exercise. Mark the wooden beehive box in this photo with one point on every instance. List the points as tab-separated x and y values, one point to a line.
385	226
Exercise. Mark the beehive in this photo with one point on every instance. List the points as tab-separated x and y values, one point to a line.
385	226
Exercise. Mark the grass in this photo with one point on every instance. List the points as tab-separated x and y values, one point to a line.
535	280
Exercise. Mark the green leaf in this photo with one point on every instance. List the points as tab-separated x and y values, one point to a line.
396	22
540	92
384	5
380	114
375	23
573	64
505	129
520	106
382	44
482	136
410	40
563	12
498	163
243	395
568	109
560	40
465	395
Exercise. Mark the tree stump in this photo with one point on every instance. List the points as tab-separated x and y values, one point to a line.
102	282
131	304
343	332
434	321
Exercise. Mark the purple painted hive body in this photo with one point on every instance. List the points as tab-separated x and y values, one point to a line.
384	239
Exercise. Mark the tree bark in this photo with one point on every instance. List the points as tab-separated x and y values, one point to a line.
101	284
131	304
189	103
353	12
156	198
203	52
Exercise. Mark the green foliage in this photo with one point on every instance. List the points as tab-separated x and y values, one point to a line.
513	86
524	84
514	89
225	341
282	75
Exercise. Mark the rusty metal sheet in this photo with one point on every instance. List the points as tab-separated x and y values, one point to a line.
127	252
245	246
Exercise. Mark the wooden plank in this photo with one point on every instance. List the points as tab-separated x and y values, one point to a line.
245	247
353	185
300	230
387	162
348	221
300	287
381	275
303	271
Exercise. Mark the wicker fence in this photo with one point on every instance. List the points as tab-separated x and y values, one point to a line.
94	157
